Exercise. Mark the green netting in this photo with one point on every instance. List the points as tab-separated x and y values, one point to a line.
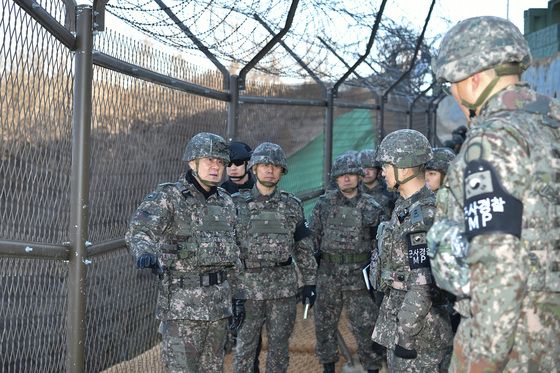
354	130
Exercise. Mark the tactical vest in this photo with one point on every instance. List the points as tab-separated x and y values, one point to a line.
344	231
394	250
270	235
540	235
206	236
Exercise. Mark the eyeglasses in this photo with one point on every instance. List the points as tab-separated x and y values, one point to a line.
236	162
446	88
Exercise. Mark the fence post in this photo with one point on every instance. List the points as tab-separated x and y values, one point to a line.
329	123
79	200
233	108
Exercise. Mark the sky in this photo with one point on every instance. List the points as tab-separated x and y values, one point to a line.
413	12
454	10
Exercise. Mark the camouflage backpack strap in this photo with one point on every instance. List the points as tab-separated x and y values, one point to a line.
185	192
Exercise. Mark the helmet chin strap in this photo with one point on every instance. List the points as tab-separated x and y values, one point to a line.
237	178
398	182
203	181
500	70
268	184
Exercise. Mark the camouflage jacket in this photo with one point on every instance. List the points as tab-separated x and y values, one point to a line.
380	193
192	238
512	217
344	235
410	314
273	238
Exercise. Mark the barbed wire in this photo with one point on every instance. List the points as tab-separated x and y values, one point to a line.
233	33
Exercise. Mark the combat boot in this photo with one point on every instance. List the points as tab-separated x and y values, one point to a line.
328	368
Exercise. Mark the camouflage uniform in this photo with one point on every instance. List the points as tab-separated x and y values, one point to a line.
500	222
273	238
344	234
440	162
192	236
413	315
379	192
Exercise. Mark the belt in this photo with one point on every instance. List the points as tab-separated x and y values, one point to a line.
183	280
257	266
345	258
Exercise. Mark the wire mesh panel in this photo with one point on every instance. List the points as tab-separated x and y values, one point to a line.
120	312
33	311
140	131
36	80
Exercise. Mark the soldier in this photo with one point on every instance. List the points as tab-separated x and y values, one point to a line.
274	237
239	175
185	231
344	222
372	182
495	240
437	167
413	323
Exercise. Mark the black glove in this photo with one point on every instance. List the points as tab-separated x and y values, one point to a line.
238	314
308	295
403	353
317	255
147	260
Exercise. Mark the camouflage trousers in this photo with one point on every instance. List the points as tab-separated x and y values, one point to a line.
362	313
536	347
426	362
193	346
279	316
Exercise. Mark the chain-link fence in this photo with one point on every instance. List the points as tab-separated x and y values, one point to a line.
145	105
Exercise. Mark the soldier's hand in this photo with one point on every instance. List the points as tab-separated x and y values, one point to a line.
308	295
238	314
146	260
403	353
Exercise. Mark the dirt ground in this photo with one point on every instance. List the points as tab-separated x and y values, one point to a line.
302	352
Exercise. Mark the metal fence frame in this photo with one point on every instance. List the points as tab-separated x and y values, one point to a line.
78	251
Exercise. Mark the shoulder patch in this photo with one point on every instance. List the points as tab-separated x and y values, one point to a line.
416	215
417	250
152	196
489	208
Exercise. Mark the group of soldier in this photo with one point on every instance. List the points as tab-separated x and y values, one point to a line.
402	262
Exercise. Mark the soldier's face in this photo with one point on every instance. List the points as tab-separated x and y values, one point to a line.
389	175
433	179
462	91
209	170
370	175
347	182
268	174
236	170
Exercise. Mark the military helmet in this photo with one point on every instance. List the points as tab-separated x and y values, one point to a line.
239	151
477	44
206	145
367	159
448	250
441	160
346	163
269	153
404	149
